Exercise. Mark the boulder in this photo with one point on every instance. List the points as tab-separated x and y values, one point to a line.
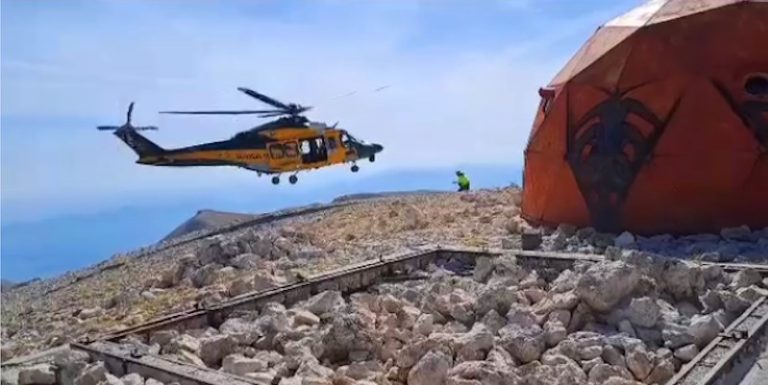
603	285
675	335
566	281
326	302
132	379
732	302
432	368
624	240
240	365
711	301
612	356
162	337
303	317
524	343
206	275
746	277
643	312
243	331
246	261
70	363
686	353
152	381
703	329
602	372
240	286
475	344
214	348
424	324
639	361
407	317
554	332
681	280
182	342
662	372
484	372
40	374
483	269
587	365
92	374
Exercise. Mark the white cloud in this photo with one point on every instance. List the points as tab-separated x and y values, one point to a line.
457	104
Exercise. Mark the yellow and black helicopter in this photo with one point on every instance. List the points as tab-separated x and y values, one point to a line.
289	144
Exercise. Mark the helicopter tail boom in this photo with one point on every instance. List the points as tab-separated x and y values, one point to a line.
130	135
142	146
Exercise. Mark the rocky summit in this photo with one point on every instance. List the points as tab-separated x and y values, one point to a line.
633	318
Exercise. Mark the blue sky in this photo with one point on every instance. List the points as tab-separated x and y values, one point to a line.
463	77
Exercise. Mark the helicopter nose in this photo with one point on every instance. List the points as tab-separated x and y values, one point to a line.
377	148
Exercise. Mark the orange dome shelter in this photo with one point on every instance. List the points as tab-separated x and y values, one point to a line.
658	124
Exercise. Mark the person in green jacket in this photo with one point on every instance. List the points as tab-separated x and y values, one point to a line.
462	181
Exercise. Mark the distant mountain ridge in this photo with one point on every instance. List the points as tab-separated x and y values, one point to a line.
206	220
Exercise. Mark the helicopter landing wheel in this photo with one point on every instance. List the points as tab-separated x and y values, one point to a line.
293	179
355	168
372	158
275	180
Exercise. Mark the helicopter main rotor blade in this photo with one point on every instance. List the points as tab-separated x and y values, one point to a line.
263	98
237	112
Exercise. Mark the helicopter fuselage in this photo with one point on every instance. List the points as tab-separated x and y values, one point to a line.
270	151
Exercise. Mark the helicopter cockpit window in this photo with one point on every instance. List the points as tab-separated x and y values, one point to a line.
345	139
757	85
331	144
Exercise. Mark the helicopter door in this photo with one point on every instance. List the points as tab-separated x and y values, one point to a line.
313	150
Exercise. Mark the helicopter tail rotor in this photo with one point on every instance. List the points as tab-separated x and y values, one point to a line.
127	125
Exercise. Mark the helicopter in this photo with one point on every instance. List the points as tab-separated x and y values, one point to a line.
289	144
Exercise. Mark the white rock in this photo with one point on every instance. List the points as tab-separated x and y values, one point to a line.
391	304
42	374
751	293
711	301
111	380
132	379
661	373
703	328
603	285
675	335
325	302
626	327
483	269
214	348
612	356
407	317
182	342
475	344
191	358
525	344
237	364
624	240
639	361
564	282
745	278
554	332
687	352
242	331
152	381
303	317
587	365
643	312
431	369
535	294
240	286
602	372
92	374
424	324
